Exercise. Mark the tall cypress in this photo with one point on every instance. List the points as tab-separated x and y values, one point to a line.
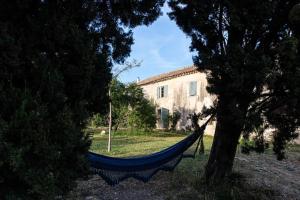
250	53
55	62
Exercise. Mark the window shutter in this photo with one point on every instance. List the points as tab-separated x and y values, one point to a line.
164	117
202	91
158	91
193	88
166	90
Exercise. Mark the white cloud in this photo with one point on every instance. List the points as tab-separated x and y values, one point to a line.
159	61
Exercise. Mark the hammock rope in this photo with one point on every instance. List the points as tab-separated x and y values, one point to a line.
114	170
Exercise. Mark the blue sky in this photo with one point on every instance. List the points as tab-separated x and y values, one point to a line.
162	47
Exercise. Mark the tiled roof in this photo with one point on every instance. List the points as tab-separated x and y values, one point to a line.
169	75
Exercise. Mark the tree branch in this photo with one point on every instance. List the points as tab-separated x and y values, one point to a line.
220	31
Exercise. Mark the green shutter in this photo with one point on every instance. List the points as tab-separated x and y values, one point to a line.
164	117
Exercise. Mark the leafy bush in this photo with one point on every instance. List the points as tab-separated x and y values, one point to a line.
174	118
143	115
98	120
130	108
257	143
42	153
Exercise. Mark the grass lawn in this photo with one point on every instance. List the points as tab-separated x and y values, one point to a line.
125	144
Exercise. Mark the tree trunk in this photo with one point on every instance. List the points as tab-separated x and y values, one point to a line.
230	120
201	150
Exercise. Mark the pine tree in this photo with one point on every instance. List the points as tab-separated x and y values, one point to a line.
55	61
250	54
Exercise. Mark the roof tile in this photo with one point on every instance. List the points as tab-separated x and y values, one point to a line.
169	75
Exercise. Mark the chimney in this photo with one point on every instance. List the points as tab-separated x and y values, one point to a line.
138	80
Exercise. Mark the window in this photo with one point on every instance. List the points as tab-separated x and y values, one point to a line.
193	88
162	91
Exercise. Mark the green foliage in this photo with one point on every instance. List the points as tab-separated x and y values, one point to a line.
55	63
174	118
142	111
130	108
120	102
143	115
98	120
257	144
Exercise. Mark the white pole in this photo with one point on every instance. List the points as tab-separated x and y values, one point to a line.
110	122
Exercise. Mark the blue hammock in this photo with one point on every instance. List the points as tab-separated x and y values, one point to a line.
113	170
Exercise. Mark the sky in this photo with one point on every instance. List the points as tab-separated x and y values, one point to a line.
161	46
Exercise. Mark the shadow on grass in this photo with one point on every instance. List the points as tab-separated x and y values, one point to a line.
187	182
234	187
193	186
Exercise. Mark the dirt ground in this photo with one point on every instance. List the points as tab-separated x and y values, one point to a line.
280	178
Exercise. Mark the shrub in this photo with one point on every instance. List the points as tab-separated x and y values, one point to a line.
42	153
98	120
130	108
174	118
143	115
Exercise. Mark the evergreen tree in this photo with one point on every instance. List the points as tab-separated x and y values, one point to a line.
55	61
250	53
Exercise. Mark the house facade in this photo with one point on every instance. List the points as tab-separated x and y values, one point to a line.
182	91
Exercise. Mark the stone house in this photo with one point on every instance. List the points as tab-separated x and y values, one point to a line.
182	90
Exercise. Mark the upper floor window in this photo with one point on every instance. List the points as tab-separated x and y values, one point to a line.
162	91
193	88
